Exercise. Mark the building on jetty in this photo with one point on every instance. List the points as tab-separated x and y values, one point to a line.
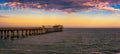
17	32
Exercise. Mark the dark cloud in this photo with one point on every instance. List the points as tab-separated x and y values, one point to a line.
69	5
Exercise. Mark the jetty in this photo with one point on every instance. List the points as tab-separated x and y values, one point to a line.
19	32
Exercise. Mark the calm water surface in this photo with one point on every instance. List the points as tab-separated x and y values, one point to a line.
70	41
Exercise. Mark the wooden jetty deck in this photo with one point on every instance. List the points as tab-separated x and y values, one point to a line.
17	32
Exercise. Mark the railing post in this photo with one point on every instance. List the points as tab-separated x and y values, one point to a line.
5	34
22	33
33	31
1	34
18	34
26	32
30	32
12	35
43	30
38	31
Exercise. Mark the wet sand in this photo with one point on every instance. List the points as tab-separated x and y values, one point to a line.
70	41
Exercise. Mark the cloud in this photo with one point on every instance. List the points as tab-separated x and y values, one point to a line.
1	16
64	5
101	6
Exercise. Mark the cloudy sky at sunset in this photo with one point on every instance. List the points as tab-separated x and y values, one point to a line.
70	13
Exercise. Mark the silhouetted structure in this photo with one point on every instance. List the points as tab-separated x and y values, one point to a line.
17	32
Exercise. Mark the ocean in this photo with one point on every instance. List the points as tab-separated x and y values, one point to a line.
70	41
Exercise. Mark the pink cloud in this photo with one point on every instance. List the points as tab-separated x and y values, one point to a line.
2	16
63	5
101	6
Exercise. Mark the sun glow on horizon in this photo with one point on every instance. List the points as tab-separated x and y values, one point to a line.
72	20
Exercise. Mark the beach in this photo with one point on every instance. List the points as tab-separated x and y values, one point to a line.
70	41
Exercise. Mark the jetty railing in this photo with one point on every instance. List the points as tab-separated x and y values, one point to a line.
18	32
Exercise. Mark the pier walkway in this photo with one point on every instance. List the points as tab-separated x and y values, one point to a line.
17	32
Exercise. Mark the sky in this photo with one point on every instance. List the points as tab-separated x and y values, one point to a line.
69	13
